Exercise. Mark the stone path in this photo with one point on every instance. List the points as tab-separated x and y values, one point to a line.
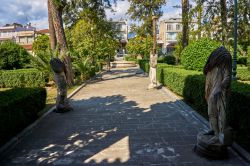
116	121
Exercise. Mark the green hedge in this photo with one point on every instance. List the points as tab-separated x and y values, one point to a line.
21	78
191	85
18	108
168	59
195	55
243	74
242	60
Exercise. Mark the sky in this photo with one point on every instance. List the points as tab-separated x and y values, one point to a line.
35	12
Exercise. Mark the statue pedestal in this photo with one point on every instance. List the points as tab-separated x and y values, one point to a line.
205	148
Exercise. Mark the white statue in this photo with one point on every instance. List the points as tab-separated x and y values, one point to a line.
152	71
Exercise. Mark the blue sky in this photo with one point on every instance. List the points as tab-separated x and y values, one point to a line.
35	11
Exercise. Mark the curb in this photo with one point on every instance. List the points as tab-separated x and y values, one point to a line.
7	147
236	148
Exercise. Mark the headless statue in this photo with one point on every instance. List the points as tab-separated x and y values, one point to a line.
214	143
59	70
152	71
218	79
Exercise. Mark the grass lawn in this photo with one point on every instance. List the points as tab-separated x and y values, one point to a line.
51	97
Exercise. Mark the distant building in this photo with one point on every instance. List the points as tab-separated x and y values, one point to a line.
42	32
168	31
122	29
23	35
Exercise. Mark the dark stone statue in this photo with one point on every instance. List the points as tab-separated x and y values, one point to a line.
213	143
58	67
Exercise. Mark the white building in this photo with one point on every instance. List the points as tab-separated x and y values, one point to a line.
168	32
23	35
122	35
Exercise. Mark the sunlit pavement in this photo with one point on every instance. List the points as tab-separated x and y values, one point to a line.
116	121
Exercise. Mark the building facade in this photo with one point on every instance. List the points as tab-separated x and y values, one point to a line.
122	35
22	35
168	33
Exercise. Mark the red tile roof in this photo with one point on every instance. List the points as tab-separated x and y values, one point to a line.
43	31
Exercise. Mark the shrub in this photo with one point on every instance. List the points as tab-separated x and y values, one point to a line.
242	60
18	108
168	59
195	55
130	58
13	56
248	57
243	74
191	85
144	65
21	78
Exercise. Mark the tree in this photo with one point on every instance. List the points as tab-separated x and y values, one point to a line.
41	44
185	21
13	56
143	11
140	46
93	38
55	10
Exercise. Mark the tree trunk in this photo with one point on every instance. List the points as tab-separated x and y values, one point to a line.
185	29
56	13
51	28
223	6
200	11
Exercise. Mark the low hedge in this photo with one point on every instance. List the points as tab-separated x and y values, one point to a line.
18	108
191	85
242	60
21	78
243	74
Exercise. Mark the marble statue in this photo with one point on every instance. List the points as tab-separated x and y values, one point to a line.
218	79
152	71
58	67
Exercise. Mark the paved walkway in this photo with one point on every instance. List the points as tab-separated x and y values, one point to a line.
116	121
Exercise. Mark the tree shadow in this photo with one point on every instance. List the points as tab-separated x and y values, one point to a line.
111	131
107	131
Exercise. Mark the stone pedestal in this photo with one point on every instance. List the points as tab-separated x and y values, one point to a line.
205	148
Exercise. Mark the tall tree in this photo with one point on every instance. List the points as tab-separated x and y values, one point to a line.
185	22
51	28
143	11
223	13
56	10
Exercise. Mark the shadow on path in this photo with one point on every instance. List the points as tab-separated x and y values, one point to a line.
113	130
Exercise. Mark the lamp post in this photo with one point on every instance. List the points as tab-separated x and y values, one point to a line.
235	40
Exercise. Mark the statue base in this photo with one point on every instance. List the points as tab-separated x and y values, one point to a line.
208	149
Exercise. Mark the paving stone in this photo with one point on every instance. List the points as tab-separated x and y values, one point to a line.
116	122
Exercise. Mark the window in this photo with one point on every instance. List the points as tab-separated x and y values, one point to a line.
178	27
169	27
171	36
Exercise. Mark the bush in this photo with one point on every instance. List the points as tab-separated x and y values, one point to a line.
130	58
21	78
243	74
195	55
191	85
248	57
168	59
13	56
18	108
144	65
242	60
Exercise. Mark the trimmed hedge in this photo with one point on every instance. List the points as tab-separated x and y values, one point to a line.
168	59
195	55
191	85
21	78
242	60
243	74
18	108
